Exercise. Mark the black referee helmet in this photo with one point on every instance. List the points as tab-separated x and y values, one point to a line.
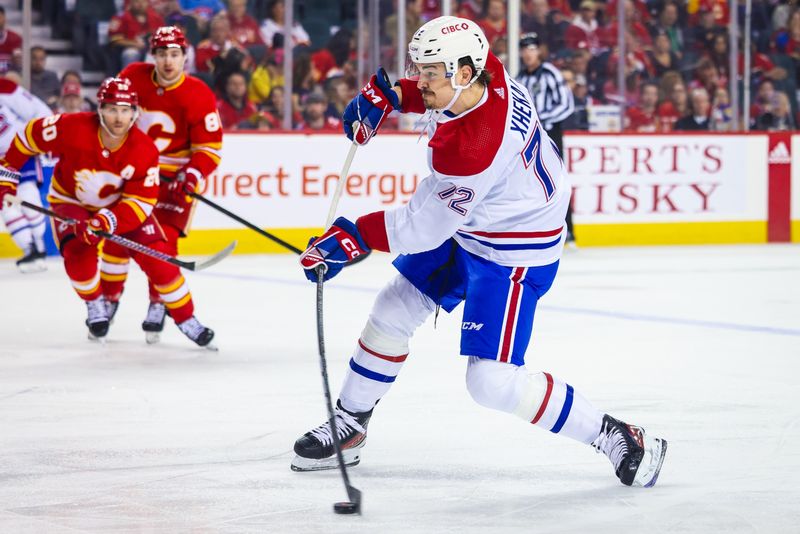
529	39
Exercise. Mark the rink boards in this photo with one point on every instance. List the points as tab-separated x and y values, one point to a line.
627	189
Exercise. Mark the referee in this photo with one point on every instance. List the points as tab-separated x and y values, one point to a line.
551	96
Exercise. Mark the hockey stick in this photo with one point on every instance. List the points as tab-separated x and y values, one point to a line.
137	247
240	220
353	494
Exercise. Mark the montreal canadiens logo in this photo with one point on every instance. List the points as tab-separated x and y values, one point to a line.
455	28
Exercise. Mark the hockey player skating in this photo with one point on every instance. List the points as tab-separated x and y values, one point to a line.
486	228
17	107
179	113
106	179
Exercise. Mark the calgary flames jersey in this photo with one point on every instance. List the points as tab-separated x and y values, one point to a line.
123	181
181	119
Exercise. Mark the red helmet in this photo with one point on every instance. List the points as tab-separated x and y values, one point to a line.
167	37
117	91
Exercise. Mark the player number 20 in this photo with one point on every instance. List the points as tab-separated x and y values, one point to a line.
49	127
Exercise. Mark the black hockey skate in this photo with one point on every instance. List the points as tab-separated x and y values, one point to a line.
198	333
637	457
111	310
32	261
315	451
97	319
153	324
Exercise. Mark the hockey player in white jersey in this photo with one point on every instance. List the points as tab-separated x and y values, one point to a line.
27	228
485	228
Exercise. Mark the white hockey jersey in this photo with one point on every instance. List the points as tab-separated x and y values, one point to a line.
497	183
17	107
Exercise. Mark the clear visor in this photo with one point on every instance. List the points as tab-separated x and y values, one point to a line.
427	72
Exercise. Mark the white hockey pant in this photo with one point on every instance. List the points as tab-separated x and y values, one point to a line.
26	226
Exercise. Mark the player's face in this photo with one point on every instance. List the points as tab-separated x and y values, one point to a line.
433	81
169	62
117	118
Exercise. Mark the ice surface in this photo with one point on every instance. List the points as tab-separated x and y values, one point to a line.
700	345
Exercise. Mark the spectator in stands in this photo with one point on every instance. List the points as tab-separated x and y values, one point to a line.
534	19
721	112
244	28
702	35
44	83
662	57
720	57
642	117
235	110
127	33
267	76
330	59
413	22
706	76
582	33
779	118
9	42
174	16
675	105
314	117
74	77
219	54
71	100
86	35
304	80
668	23
557	26
761	66
271	111
610	33
340	93
579	120
698	119
494	23
273	25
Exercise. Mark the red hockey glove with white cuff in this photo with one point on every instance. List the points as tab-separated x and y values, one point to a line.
87	229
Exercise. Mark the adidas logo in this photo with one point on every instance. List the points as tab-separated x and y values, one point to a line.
500	92
780	154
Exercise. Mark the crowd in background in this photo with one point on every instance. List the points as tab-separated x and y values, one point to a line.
676	66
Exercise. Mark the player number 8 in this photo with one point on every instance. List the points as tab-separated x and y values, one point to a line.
212	122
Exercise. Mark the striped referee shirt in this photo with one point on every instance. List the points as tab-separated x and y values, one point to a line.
550	94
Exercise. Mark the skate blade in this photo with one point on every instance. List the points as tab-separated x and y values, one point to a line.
101	340
351	457
38	266
212	347
648	472
152	337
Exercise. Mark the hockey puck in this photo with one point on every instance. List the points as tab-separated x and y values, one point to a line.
346	508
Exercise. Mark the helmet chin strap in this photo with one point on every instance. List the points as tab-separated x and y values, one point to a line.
435	114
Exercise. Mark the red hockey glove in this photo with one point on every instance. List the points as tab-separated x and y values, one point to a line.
184	184
87	229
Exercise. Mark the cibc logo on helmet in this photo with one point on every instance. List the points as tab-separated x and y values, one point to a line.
455	28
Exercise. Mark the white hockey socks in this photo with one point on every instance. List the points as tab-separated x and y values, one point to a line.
540	399
374	366
383	346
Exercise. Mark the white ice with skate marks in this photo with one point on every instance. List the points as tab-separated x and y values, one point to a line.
699	345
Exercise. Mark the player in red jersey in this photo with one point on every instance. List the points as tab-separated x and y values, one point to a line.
179	113
107	180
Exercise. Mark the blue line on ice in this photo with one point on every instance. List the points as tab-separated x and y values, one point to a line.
561	309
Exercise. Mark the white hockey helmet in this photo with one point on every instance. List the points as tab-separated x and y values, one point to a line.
446	40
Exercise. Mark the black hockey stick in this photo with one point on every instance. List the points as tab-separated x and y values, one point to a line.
240	220
353	494
138	247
